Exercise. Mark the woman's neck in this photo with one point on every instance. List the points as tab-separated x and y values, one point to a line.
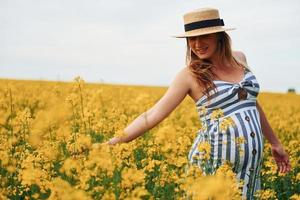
220	64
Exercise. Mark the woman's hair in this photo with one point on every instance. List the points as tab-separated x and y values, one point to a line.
202	68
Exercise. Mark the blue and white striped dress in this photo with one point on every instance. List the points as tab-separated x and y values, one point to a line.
245	115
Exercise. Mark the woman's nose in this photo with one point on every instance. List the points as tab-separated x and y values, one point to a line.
198	41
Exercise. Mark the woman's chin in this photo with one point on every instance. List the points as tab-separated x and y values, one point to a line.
203	56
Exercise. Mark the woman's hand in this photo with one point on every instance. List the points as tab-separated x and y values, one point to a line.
114	141
281	158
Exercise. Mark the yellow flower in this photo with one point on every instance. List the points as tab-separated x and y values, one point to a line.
108	195
202	110
265	194
61	189
131	176
216	114
79	80
70	165
43	123
204	149
100	158
152	164
297	178
226	123
295	197
137	194
240	140
218	187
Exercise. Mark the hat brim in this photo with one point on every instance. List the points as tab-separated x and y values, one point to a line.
203	32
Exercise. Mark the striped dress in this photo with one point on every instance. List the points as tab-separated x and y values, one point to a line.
237	101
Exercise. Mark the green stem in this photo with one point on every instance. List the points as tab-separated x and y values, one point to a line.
11	112
82	112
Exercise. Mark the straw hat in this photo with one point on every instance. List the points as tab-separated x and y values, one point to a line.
203	21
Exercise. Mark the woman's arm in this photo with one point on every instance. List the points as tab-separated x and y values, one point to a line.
280	156
266	128
175	94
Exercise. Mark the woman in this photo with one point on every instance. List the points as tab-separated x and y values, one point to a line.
217	78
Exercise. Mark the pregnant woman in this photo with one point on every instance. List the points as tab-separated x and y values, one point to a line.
219	81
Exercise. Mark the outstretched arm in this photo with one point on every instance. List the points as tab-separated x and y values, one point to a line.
175	94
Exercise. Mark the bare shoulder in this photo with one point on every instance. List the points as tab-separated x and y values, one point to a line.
194	88
241	55
186	79
185	74
184	71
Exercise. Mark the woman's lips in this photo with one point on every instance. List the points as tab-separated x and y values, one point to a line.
202	50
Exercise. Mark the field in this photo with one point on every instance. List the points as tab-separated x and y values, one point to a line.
48	132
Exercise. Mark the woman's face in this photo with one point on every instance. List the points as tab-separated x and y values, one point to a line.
204	46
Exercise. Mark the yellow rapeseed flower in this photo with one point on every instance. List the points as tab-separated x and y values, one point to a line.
216	114
131	177
265	194
226	123
204	149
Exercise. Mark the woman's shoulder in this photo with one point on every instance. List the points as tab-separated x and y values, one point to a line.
240	55
184	74
188	75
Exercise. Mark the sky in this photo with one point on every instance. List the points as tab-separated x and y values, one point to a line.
130	42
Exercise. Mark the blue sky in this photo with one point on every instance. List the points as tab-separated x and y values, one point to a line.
129	42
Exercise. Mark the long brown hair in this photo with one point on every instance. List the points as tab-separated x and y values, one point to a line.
201	69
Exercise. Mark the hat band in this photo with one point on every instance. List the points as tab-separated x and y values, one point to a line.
203	24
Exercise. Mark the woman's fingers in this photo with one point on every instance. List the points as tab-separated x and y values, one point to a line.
288	165
282	160
280	166
113	141
283	167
